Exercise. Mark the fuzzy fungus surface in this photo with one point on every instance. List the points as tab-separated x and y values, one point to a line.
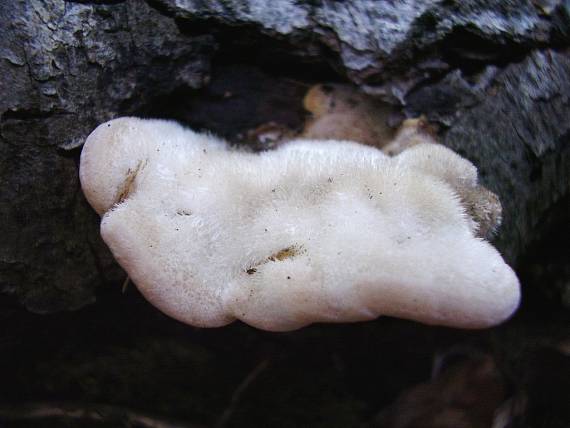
315	231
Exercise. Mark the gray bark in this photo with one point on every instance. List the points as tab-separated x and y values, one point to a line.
65	68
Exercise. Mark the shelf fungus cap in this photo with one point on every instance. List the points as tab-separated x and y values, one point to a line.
315	231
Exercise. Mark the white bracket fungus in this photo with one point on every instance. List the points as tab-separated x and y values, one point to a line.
315	231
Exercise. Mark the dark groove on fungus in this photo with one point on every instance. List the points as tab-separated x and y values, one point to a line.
127	187
284	254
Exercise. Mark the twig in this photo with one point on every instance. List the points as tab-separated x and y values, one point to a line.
236	396
125	285
94	412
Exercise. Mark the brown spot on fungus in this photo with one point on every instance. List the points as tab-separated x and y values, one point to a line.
127	186
285	253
